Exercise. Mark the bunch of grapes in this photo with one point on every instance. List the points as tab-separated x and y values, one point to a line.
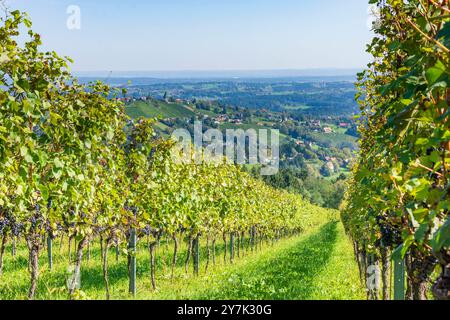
38	131
16	228
4	223
146	230
390	235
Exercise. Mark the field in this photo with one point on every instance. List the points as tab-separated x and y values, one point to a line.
157	109
296	108
335	139
317	264
252	126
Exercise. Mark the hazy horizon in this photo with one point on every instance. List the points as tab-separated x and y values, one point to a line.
244	73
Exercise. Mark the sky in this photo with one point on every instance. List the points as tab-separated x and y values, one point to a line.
176	35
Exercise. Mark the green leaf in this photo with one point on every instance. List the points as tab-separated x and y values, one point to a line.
400	252
28	158
23	151
23	84
421	232
444	34
57	173
28	107
4	58
435	74
441	237
58	163
397	253
422	142
44	192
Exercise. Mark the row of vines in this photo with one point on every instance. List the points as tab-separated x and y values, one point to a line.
398	200
72	164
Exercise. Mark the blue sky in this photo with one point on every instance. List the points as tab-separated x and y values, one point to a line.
149	35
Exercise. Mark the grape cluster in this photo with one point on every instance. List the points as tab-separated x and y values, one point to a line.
390	235
16	228
4	223
147	230
9	224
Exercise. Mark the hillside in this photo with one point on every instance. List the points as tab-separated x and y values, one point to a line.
315	150
153	108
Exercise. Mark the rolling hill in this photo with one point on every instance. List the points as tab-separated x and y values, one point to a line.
154	108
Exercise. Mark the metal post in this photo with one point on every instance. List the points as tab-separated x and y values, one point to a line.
132	253
399	279
196	255
50	251
232	247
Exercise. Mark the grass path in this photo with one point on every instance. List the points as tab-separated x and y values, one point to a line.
315	265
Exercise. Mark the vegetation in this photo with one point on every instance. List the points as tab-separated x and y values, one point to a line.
153	108
321	159
398	198
317	264
310	97
317	189
74	166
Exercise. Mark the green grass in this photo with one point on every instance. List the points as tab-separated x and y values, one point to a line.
334	139
157	109
318	264
209	113
314	266
296	108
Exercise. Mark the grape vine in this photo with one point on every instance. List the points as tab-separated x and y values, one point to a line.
398	199
73	165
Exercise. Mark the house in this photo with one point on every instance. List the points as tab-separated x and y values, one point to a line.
221	118
328	130
330	166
